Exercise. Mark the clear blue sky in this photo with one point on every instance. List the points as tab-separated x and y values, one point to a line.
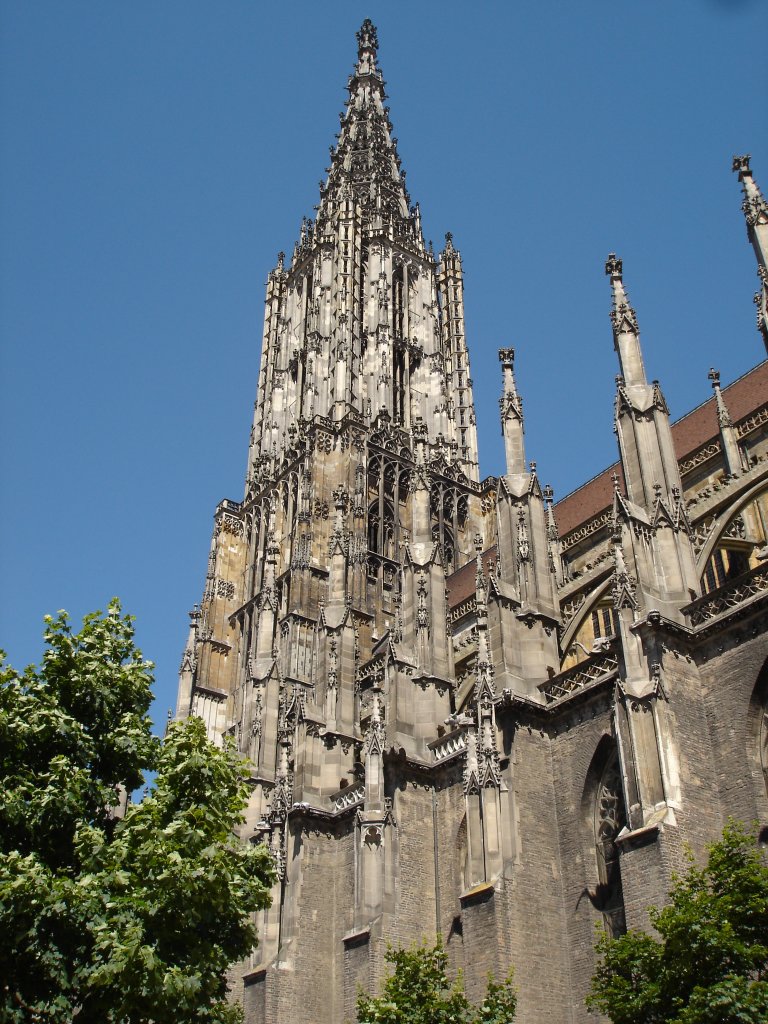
156	156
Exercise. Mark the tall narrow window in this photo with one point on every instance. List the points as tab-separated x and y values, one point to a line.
610	819
381	530
398	386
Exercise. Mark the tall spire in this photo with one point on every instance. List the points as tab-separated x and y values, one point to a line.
755	210
626	333
365	165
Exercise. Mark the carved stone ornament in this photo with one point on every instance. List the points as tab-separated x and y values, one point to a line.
227	523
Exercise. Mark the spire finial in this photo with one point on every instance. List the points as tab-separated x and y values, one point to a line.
367	39
613	266
741	166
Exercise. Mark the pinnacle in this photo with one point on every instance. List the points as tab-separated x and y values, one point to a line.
625	326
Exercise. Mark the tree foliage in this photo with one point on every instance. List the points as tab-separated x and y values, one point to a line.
710	962
120	921
418	992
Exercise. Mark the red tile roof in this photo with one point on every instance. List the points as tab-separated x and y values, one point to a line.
461	584
690	432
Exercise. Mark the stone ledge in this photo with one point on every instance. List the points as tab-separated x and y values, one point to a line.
642	836
253	976
357	938
477	894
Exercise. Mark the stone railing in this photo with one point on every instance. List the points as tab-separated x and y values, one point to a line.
593	669
700	456
448	746
584	530
348	797
729	596
467	607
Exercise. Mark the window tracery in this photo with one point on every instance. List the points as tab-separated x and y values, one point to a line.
449	509
609	819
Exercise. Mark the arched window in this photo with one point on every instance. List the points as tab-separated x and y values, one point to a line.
758	732
381	531
764	741
462	508
449	513
374	527
374	472
390	472
609	819
404	486
447	546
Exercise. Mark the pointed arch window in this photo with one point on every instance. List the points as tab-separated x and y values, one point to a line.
449	509
759	730
381	529
447	546
609	819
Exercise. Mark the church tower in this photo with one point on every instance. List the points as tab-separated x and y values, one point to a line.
321	642
467	711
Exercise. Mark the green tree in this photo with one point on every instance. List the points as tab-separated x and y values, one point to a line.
709	964
106	919
418	992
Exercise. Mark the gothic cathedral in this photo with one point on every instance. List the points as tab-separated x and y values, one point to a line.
468	710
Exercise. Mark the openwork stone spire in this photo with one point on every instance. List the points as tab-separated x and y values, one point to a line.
365	166
364	321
